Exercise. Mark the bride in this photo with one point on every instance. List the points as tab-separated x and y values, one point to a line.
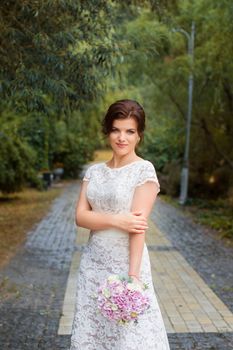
115	201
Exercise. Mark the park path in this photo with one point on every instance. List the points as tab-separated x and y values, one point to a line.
191	272
186	301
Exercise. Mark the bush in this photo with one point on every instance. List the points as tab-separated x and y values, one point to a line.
16	164
74	153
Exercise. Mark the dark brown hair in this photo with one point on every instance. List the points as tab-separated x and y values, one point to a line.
123	109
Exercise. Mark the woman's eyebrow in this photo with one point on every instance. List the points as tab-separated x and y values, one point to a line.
126	130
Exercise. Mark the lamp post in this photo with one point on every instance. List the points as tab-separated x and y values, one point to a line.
185	167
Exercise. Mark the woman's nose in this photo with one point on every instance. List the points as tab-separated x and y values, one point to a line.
121	137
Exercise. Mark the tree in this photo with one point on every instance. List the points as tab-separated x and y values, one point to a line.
51	51
157	62
54	55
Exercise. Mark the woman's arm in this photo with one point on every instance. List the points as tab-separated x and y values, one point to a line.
143	201
87	218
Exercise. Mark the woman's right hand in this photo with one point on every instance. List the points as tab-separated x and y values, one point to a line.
133	222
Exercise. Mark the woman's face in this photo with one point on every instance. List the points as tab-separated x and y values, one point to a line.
124	136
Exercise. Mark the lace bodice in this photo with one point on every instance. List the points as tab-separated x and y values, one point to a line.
112	189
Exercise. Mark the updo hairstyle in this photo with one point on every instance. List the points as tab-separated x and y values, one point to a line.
123	109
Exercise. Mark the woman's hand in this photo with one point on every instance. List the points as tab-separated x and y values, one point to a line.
136	280
133	222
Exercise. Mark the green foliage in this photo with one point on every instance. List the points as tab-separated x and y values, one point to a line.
54	53
17	158
156	60
16	166
73	151
54	59
214	213
163	147
79	150
35	129
33	143
73	144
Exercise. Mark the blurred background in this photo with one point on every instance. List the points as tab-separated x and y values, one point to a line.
64	62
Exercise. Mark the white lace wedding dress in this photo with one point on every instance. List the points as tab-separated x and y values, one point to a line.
111	190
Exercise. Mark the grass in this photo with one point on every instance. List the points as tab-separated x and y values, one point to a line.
18	214
215	214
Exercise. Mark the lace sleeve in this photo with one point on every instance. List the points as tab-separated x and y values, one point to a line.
87	174
148	173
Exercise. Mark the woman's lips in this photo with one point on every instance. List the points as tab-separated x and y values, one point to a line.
121	145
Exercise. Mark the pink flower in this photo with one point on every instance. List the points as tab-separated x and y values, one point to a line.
121	300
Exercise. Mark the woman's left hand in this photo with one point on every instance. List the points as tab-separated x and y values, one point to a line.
137	280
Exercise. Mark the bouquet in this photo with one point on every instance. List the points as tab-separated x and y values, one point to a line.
122	300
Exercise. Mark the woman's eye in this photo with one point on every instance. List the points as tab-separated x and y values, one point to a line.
128	131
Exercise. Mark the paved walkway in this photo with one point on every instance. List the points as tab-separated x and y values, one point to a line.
186	301
34	282
191	272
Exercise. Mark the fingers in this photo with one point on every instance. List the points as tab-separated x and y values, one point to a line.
141	227
137	280
138	223
139	213
138	230
142	223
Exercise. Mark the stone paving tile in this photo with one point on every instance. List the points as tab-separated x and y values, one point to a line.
189	303
59	232
67	317
200	341
207	255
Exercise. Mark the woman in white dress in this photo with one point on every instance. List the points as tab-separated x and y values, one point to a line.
115	200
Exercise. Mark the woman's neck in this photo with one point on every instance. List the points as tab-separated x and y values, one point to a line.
118	161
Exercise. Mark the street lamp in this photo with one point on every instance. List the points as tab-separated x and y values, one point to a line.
185	167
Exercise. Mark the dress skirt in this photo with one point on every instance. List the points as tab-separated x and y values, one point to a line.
107	252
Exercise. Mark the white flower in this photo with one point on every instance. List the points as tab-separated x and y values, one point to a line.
134	286
114	307
119	289
106	292
113	278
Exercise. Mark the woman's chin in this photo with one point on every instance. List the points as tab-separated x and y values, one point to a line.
121	151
